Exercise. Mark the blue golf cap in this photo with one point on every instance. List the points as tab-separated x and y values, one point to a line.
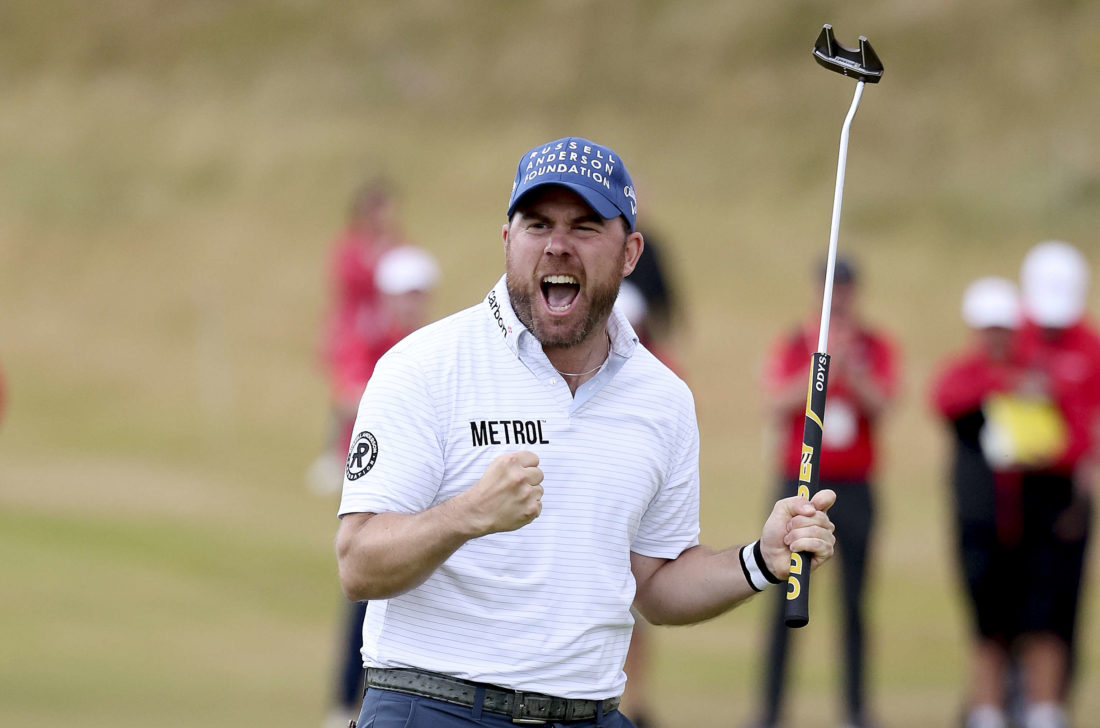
591	170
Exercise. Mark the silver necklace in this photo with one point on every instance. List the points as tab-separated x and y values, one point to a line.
596	368
581	374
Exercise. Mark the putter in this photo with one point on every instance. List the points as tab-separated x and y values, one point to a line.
862	64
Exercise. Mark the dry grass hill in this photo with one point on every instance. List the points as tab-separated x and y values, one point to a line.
172	174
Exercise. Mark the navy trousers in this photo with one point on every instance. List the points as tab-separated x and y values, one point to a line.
350	671
854	516
391	709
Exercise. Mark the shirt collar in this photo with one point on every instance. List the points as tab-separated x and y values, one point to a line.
623	337
499	307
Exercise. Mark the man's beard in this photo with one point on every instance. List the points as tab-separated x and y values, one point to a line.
600	304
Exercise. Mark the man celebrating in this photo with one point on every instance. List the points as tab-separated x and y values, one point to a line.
522	471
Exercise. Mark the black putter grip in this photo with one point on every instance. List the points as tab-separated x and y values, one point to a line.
797	612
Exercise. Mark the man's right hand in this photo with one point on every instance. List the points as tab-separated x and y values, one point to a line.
508	496
382	555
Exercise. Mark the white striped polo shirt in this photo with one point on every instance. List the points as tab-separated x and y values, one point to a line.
545	608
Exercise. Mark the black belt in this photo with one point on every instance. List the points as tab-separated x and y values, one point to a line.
524	708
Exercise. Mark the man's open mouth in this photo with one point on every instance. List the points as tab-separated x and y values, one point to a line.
560	292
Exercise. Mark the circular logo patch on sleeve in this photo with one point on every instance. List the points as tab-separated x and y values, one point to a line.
361	455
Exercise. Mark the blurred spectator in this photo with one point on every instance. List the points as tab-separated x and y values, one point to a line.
404	279
1061	350
1061	343
652	278
968	392
862	383
646	299
356	324
356	331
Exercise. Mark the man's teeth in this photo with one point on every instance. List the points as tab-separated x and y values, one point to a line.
561	279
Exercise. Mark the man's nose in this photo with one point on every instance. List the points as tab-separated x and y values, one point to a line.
557	243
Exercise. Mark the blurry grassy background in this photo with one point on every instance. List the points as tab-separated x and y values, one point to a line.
172	174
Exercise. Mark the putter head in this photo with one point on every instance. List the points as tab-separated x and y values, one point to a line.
861	63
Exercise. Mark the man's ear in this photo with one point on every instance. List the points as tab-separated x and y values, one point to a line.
634	246
504	235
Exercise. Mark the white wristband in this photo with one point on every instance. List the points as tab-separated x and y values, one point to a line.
756	571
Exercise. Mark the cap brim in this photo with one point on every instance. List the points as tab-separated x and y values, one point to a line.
1056	311
599	204
992	321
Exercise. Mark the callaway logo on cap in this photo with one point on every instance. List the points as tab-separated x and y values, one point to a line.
592	171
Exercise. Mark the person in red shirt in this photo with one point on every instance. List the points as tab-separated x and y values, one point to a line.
355	334
1059	339
985	494
356	329
862	384
1061	348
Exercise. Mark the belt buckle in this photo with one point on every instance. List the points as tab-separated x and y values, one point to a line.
519	705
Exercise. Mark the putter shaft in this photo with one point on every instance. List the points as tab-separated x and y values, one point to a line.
834	229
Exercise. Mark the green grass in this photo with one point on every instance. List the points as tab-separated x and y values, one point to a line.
171	176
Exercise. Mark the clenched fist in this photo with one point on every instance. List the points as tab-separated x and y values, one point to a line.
508	496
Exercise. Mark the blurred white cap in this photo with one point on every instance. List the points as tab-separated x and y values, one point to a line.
632	303
1055	281
990	302
405	269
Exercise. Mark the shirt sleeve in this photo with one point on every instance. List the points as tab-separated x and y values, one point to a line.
951	393
962	386
670	524
395	461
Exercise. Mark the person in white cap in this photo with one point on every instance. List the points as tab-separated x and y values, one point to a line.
1061	347
404	278
1054	278
986	526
